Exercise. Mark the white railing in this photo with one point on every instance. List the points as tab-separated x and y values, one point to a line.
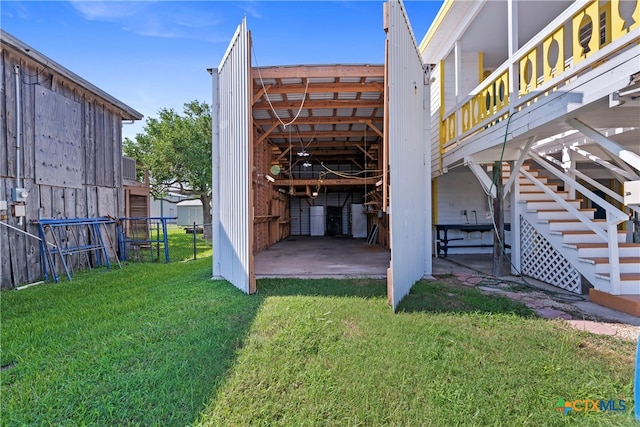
532	72
614	216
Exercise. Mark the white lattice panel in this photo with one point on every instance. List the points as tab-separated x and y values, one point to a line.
541	261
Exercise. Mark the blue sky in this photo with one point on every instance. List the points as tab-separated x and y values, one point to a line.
154	54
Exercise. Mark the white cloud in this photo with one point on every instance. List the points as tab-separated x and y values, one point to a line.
108	10
165	19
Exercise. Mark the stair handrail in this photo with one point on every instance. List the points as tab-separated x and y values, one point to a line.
615	196
592	157
618	215
614	217
562	202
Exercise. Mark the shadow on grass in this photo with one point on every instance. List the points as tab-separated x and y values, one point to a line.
145	345
447	296
444	295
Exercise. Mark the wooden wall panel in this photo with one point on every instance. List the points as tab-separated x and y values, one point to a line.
70	203
71	152
89	142
92	201
99	150
107	202
10	96
28	120
3	116
57	138
45	209
57	202
107	142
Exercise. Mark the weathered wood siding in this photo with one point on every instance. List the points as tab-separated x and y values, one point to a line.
71	157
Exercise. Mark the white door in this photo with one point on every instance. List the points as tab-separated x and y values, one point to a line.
408	156
232	213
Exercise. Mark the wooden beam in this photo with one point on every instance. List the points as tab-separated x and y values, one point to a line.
375	129
311	104
322	120
303	71
365	152
260	93
267	133
284	153
327	182
321	88
326	134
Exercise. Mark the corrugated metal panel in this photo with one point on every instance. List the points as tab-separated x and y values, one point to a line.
232	160
305	218
435	122
409	162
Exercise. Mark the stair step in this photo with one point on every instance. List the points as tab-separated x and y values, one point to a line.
625	277
563	213
572	224
627	264
541	195
585	236
527	187
550	204
601	250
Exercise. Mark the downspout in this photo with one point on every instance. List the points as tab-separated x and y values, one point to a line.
16	70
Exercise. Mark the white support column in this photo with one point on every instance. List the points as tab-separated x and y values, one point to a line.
513	46
516	263
569	166
427	213
614	255
457	59
215	174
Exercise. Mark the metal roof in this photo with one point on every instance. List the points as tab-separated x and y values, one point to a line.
334	113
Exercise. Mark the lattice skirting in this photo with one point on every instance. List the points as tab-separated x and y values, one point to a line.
543	262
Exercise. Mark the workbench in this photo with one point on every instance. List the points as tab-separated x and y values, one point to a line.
442	236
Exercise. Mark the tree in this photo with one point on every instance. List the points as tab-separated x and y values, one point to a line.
176	150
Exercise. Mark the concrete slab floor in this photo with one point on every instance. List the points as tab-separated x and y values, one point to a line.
322	257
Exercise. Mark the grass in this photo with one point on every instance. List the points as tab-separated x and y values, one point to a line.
181	247
162	344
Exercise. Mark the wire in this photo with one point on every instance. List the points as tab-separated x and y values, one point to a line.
37	75
350	175
266	95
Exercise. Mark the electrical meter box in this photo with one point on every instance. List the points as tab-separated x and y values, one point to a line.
632	193
19	194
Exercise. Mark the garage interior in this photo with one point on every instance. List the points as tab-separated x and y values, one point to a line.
318	168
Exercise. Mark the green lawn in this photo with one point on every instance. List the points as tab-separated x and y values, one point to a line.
162	344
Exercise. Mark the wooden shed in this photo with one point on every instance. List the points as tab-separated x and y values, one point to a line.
61	137
300	145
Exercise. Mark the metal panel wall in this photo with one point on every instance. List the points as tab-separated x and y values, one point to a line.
232	160
409	157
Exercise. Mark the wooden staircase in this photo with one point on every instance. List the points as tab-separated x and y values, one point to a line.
580	245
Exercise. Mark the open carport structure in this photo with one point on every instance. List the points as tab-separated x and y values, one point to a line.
313	150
